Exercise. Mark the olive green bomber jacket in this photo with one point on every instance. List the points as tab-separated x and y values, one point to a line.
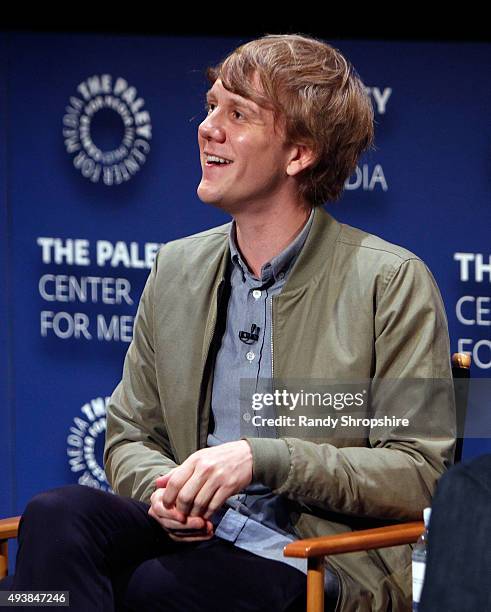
354	307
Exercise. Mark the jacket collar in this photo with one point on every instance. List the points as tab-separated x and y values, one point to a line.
316	253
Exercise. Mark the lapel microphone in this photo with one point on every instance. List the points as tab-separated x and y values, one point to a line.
250	337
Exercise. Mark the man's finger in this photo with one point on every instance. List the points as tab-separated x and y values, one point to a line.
178	538
196	528
195	494
202	500
217	501
161	481
171	519
175	482
162	511
195	522
181	531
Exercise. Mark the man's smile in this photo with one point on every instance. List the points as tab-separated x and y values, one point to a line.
215	160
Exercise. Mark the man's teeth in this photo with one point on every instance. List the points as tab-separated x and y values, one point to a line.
219	160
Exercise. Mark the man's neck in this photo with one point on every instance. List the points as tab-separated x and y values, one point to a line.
264	235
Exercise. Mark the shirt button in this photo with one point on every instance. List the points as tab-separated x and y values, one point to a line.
281	275
250	356
256	294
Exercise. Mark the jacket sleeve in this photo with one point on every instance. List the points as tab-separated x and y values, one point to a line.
137	450
393	476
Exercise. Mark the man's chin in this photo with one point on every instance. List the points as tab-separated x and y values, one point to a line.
211	199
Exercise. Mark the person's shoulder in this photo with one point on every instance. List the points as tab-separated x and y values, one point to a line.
382	266
197	246
370	246
376	260
210	234
214	235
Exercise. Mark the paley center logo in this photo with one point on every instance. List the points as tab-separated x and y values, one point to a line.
85	444
107	129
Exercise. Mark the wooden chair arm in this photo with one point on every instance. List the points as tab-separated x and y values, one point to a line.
354	541
314	550
8	529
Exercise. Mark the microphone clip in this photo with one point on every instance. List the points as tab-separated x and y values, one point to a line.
250	337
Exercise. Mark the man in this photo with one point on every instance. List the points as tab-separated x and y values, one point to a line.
213	501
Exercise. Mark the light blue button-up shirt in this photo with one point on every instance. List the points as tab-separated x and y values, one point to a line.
256	520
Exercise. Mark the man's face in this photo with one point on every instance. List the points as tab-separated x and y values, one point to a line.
251	151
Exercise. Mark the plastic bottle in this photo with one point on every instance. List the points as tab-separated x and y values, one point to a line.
419	560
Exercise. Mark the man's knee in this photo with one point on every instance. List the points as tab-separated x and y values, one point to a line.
59	511
56	503
151	587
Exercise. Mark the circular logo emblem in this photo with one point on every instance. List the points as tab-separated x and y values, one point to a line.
107	129
85	444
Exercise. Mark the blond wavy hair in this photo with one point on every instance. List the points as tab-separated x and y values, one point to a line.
318	93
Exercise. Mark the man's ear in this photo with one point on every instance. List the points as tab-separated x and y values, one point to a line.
302	157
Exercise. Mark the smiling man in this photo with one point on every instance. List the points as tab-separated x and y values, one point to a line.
205	501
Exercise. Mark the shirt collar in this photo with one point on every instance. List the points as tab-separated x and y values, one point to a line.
278	267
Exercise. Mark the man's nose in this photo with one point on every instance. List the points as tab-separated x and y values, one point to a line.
212	129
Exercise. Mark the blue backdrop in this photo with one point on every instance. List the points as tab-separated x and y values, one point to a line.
76	245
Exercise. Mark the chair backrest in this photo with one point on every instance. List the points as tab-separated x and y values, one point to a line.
461	367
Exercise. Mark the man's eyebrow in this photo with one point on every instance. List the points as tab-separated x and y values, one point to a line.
237	101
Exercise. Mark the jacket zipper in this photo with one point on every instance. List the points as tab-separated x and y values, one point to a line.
210	340
272	361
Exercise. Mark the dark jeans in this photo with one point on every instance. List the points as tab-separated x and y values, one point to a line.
458	569
110	555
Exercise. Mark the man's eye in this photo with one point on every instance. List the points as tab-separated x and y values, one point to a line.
237	114
209	108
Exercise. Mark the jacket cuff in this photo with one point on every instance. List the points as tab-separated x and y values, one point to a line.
271	461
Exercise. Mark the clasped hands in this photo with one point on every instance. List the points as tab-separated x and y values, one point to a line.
186	497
